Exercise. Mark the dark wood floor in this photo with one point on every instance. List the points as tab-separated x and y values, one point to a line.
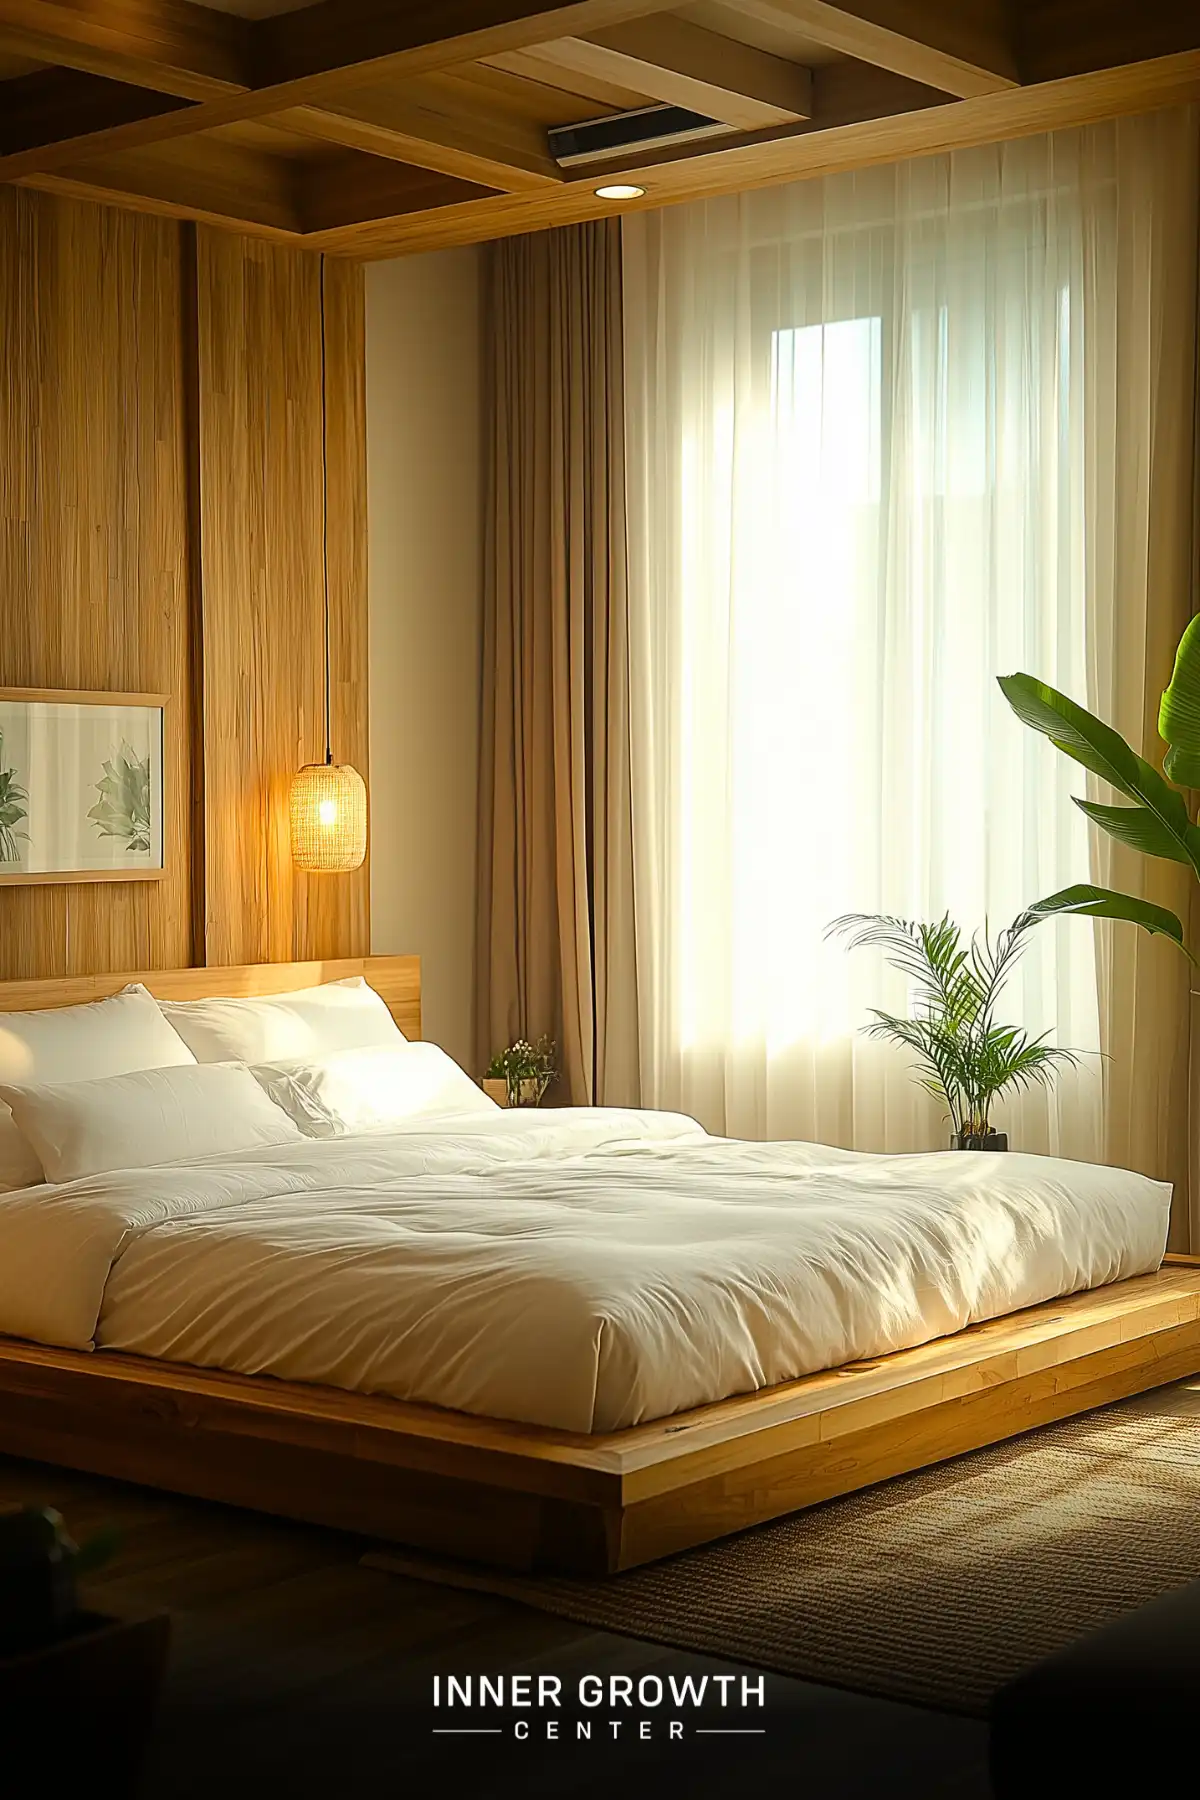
296	1671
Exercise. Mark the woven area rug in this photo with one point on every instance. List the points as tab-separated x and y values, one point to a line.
935	1587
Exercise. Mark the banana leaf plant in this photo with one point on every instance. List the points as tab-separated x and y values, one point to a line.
1158	822
123	809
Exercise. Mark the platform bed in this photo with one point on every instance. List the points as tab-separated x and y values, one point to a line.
526	1498
531	1499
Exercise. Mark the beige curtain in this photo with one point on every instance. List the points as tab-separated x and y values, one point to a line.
555	873
1139	358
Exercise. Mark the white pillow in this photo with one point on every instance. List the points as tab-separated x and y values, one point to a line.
78	1043
140	1120
377	1089
296	1027
19	1167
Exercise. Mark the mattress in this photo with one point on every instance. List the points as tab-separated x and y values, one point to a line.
583	1269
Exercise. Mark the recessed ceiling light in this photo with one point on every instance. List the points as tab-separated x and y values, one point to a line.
620	190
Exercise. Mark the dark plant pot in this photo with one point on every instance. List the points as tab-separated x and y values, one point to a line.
80	1707
991	1140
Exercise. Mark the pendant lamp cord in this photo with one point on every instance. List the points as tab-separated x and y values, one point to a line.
325	521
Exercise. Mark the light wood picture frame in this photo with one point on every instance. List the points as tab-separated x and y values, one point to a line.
82	786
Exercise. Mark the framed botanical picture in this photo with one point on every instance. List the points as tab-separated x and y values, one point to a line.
81	786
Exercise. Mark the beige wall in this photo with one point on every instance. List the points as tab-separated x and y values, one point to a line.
425	560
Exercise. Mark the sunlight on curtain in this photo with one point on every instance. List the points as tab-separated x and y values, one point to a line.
857	472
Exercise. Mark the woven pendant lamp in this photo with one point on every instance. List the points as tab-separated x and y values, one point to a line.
328	804
328	811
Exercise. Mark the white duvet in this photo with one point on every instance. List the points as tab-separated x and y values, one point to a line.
580	1269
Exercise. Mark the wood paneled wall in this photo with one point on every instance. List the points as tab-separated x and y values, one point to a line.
264	640
160	531
94	536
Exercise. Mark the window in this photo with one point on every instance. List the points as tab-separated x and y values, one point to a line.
857	497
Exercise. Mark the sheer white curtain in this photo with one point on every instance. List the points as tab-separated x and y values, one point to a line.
859	484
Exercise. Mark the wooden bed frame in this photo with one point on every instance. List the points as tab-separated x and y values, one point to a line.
525	1498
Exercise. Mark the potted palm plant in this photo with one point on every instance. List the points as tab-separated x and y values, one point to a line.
965	1057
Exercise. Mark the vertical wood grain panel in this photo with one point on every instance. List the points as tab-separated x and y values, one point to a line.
259	374
94	535
333	917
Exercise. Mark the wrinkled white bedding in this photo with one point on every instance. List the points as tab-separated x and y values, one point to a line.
580	1269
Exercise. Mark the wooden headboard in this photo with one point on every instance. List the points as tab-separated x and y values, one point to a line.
396	979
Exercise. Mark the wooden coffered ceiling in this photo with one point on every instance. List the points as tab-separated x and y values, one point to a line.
372	127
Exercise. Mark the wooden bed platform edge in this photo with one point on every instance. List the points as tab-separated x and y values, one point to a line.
529	1499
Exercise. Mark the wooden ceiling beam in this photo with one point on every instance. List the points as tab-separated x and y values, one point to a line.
531	65
484	174
796	153
221	184
844	93
62	106
669	59
412	124
169	46
255	191
313	56
197	53
962	47
357	38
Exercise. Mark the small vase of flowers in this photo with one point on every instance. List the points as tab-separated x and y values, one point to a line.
520	1075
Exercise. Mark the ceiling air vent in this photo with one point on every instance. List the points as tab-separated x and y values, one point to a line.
649	128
